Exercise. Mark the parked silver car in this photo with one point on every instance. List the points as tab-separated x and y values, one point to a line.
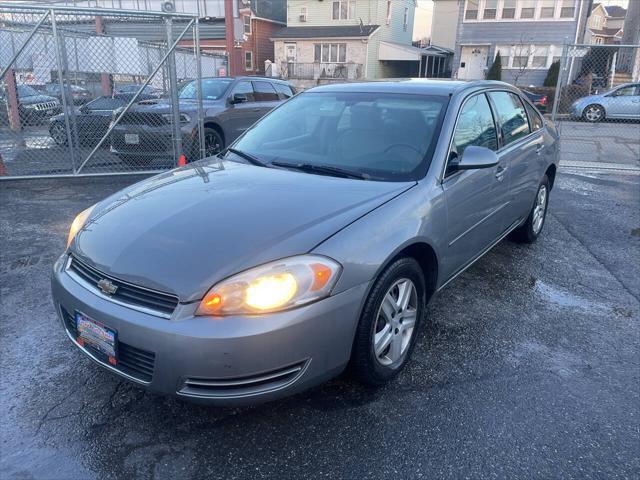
312	243
622	102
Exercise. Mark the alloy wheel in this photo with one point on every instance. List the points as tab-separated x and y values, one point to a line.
593	113
212	144
395	323
58	134
540	209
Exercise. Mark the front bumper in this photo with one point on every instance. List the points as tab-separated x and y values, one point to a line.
221	361
153	141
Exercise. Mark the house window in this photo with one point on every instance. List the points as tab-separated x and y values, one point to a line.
388	12
540	55
547	8
598	40
247	24
330	53
557	53
505	55
521	56
527	8
509	9
406	19
567	10
471	12
597	21
303	14
248	61
490	9
344	9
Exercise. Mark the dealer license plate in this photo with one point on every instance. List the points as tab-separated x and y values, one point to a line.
131	138
96	335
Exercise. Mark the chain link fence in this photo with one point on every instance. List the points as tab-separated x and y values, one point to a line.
99	91
596	104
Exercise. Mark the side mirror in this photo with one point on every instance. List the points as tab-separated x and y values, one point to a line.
238	98
475	157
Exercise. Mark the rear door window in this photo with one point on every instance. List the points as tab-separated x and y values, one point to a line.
475	126
284	91
511	115
264	92
244	88
535	120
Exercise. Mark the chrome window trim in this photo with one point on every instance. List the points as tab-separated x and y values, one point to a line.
86	285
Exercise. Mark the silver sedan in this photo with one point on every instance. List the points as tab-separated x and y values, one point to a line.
622	102
310	245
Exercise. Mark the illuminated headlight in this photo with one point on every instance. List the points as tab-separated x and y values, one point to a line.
78	223
272	287
184	118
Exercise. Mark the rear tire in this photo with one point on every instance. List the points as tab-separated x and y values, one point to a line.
389	323
530	230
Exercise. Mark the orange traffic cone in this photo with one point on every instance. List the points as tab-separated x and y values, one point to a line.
182	161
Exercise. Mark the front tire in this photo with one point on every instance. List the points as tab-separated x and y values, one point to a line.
59	133
532	228
390	320
593	113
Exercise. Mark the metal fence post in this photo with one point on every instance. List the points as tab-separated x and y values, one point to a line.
196	46
173	87
61	63
556	97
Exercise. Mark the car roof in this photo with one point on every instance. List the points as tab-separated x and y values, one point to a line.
249	77
412	86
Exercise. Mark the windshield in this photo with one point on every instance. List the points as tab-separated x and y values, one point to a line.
388	137
26	91
212	89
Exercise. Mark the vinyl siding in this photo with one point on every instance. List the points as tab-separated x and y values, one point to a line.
372	12
515	33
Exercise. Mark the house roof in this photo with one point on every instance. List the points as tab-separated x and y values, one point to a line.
615	11
606	32
342	31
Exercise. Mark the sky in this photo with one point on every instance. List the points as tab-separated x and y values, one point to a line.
424	13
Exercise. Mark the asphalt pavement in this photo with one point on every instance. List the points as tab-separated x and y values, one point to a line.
529	367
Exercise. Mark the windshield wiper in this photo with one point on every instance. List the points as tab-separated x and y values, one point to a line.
323	170
248	157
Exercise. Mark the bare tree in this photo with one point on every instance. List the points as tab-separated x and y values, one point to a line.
522	51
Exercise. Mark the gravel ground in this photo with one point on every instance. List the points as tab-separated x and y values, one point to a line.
530	367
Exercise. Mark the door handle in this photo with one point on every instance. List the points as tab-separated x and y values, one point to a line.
539	148
500	172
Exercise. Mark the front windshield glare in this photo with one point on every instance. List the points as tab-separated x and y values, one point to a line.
383	136
212	89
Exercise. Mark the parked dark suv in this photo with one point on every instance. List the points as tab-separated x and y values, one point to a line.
33	106
230	106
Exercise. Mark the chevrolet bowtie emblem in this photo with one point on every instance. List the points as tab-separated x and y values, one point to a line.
107	287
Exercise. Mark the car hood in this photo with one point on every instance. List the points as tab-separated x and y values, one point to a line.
589	99
31	99
185	230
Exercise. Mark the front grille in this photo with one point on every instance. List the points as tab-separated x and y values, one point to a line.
133	361
242	386
126	293
143	118
45	106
